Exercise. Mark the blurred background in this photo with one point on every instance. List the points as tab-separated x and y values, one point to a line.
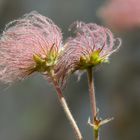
29	110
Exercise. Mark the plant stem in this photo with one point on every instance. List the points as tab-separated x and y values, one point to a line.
96	134
92	94
67	111
94	119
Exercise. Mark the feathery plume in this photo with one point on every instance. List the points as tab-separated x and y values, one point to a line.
31	43
91	45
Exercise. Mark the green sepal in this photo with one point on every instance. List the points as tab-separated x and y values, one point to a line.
40	63
92	60
47	63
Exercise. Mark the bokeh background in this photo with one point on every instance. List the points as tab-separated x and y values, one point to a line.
29	110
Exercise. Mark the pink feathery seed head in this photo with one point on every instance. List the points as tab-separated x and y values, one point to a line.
121	14
91	45
28	44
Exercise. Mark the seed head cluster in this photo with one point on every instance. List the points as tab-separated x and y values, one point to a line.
33	43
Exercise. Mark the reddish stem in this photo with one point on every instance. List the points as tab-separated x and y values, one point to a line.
67	111
94	119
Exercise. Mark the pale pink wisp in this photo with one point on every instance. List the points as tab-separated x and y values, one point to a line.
22	38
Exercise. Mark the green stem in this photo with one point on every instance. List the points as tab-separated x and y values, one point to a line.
96	134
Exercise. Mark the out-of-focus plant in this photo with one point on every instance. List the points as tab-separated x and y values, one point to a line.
121	14
34	44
